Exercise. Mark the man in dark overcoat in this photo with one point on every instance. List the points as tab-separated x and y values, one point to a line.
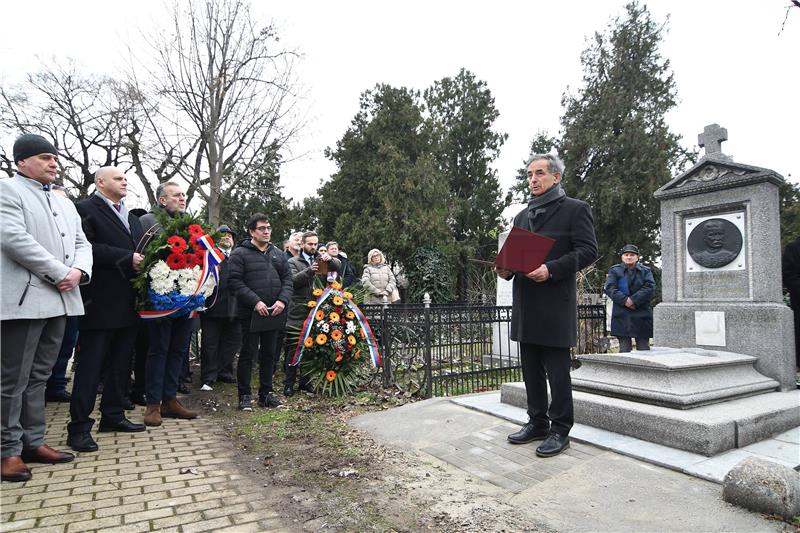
545	314
630	286
108	329
222	334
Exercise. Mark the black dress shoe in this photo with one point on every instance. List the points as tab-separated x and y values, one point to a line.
128	405
183	389
308	387
138	398
226	378
57	397
288	391
124	426
528	433
82	442
554	444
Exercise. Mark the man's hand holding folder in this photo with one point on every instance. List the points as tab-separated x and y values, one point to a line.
524	251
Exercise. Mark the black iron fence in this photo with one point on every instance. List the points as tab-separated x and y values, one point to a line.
446	350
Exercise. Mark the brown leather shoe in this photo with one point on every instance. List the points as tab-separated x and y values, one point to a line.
14	469
174	409
46	454
152	416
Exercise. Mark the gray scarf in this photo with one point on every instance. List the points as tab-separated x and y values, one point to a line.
536	205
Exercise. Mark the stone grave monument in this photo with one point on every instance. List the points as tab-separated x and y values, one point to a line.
721	374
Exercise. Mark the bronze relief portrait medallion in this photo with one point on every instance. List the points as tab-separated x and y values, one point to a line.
714	243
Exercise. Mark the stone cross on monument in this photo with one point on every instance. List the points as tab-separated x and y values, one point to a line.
711	139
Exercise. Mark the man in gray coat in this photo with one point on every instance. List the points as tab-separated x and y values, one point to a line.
545	314
44	255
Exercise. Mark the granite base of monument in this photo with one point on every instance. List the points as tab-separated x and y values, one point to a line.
707	430
764	330
669	377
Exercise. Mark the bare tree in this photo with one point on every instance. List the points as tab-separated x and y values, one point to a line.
227	85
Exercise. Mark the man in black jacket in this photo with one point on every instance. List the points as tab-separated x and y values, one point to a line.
222	334
347	274
545	314
108	329
259	276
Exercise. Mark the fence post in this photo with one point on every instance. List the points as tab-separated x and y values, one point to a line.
388	378
426	299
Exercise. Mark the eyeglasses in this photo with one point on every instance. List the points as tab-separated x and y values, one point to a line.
263	229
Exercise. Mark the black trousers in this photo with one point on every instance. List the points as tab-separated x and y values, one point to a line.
222	338
140	360
267	340
542	365
289	348
107	351
625	344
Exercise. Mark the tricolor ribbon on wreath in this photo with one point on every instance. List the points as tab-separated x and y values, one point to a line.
369	337
211	261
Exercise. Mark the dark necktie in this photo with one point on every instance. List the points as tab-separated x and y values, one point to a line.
117	207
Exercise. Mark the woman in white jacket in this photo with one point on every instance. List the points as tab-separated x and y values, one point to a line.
378	279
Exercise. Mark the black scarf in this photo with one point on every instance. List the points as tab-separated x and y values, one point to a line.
537	204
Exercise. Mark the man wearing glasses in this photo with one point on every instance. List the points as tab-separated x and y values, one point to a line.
259	276
168	337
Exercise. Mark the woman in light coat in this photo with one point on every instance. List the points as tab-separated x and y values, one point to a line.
378	279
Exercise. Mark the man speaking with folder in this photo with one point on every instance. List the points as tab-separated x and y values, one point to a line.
545	315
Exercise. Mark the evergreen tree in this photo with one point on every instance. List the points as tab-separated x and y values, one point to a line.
542	144
616	144
461	115
387	192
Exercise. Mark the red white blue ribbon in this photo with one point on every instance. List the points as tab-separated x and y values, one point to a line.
369	337
211	260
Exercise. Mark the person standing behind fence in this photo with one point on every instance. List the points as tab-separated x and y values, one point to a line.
630	286
378	279
544	317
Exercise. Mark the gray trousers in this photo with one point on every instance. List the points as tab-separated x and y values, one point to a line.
28	351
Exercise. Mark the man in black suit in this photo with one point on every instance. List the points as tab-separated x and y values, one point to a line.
108	330
544	316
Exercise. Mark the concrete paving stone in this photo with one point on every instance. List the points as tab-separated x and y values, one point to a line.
529	478
146	497
47	510
177	520
39	478
107	523
242	528
151	514
168	502
210	495
207	525
65	500
67	470
46	529
138	527
117	493
207	480
187	490
788	452
225	511
24	506
64	518
792	436
94	504
506	483
139	469
6	499
117	480
216	461
37	494
513	456
443	448
18	526
119	510
11	490
493	467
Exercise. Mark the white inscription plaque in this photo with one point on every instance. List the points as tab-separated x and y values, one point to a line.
709	328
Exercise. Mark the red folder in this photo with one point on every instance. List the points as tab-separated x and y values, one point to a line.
524	251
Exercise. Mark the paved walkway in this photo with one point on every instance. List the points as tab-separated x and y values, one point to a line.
179	477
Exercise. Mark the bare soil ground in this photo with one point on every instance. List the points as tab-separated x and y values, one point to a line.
323	475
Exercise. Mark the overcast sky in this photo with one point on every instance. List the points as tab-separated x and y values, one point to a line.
732	64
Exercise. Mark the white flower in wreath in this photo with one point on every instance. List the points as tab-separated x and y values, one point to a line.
326	327
208	286
187	280
350	328
162	278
